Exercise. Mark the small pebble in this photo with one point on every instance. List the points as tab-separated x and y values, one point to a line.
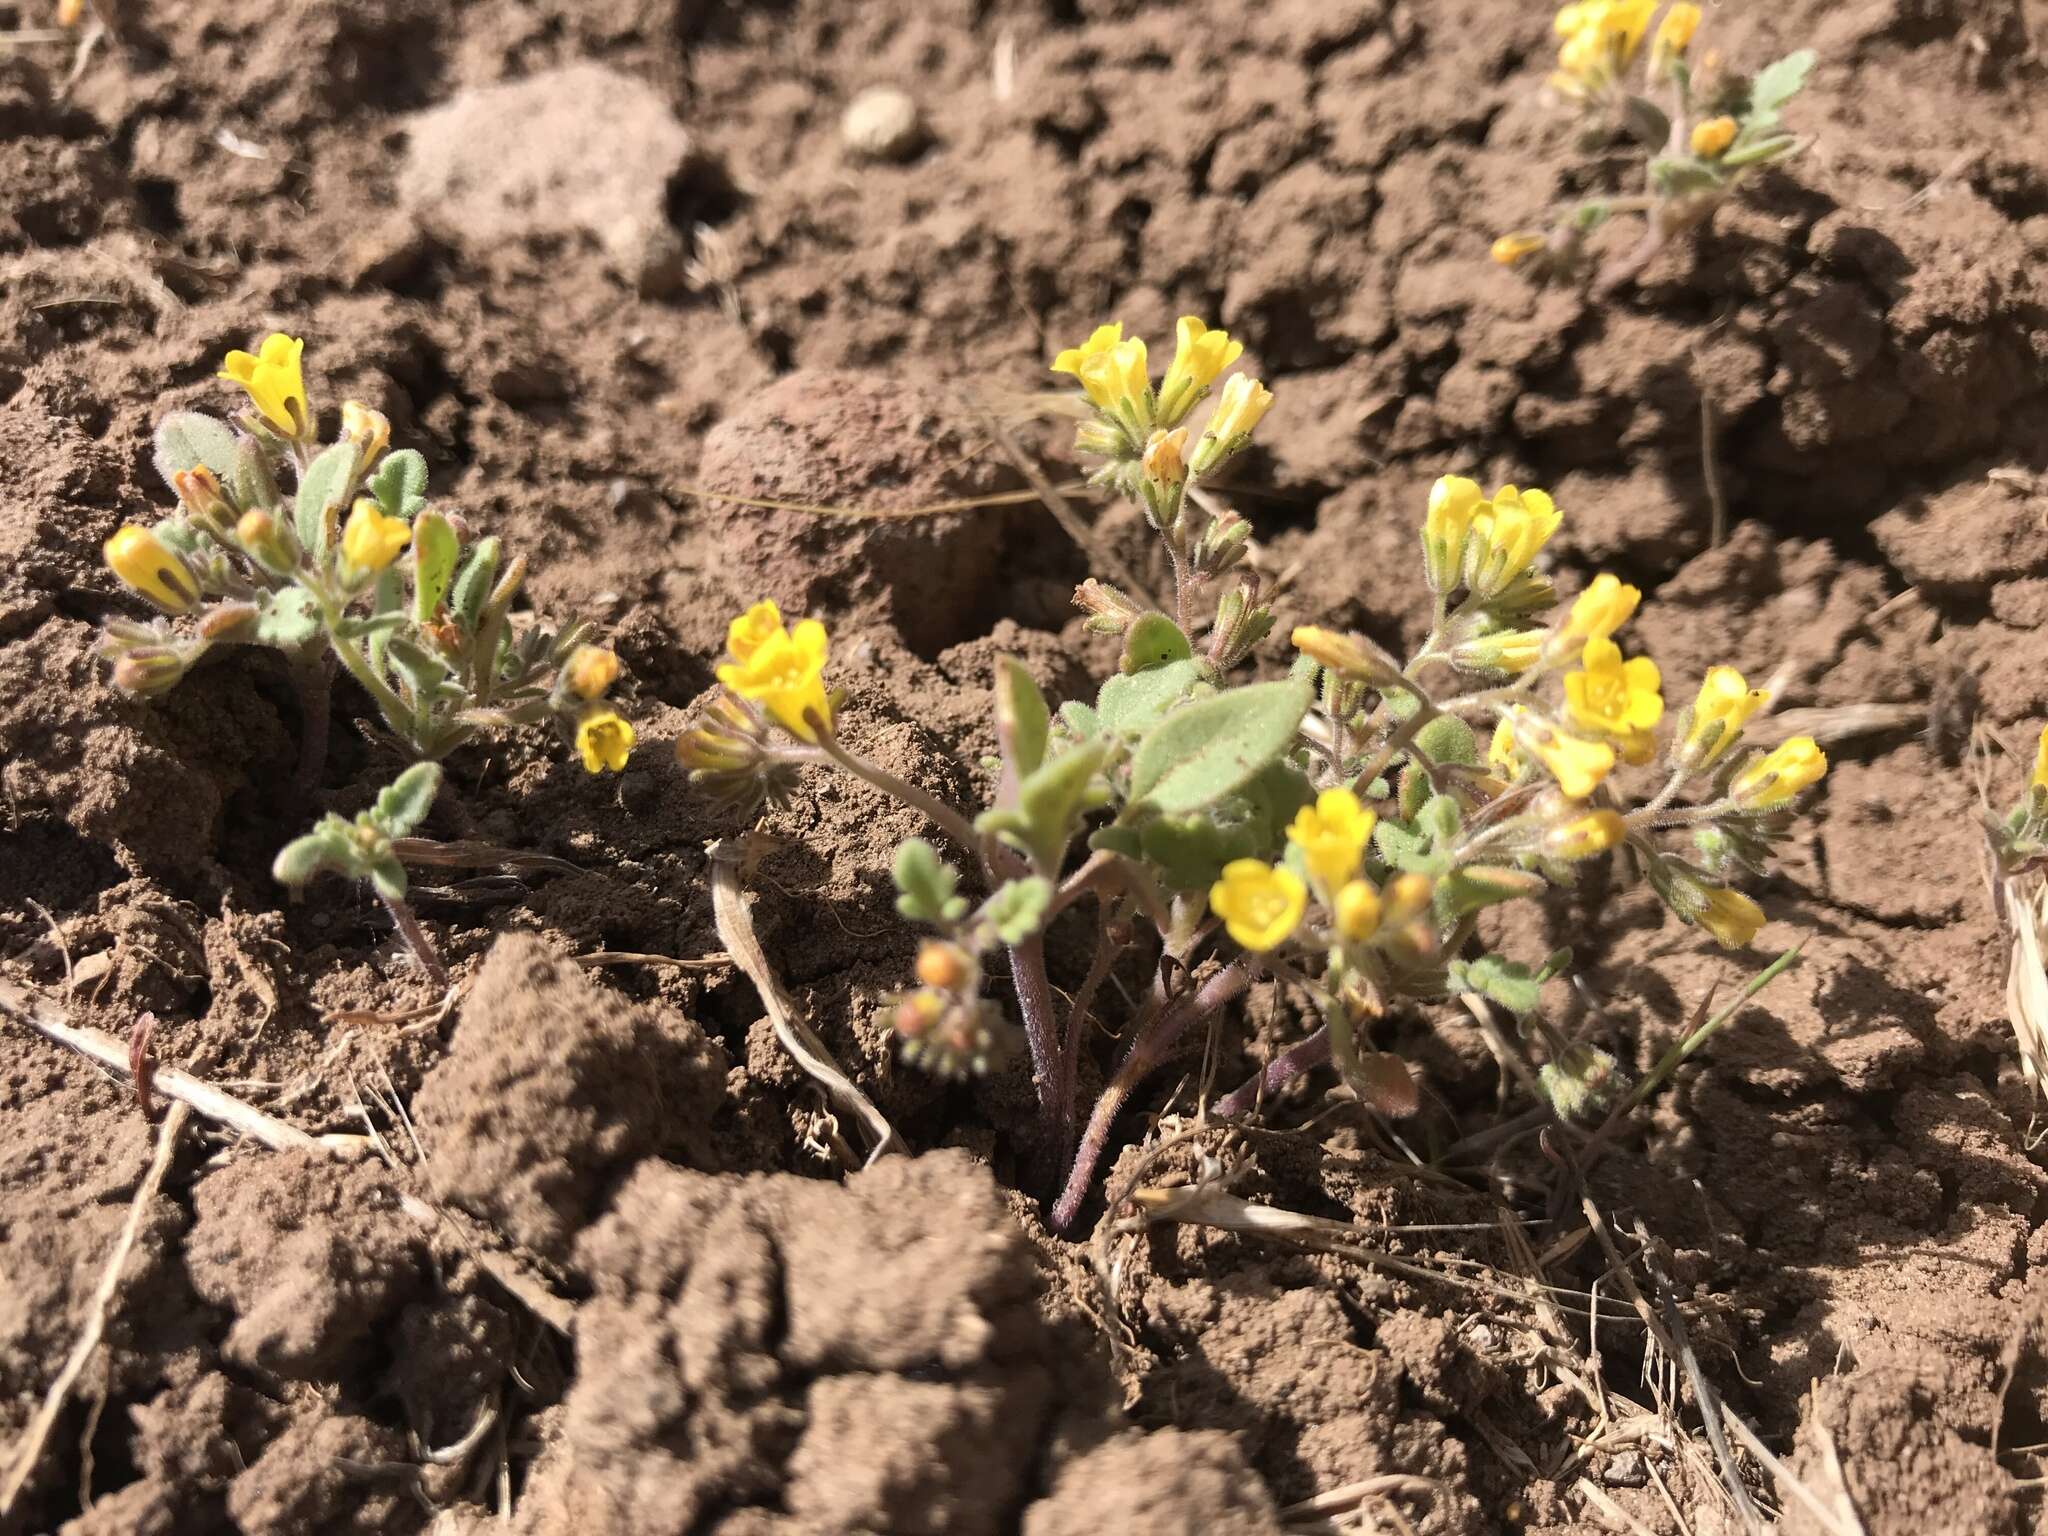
1628	1470
882	123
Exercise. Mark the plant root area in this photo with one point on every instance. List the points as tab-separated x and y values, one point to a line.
581	1252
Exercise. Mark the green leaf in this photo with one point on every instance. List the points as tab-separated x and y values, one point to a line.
1674	176
289	619
1439	820
404	804
323	488
1507	982
1132	705
1080	720
474	585
1464	891
1153	640
1018	908
1023	722
1646	122
192	439
1207	749
1447	739
1760	151
1402	849
304	857
1775	84
254	485
400	483
1049	805
434	551
925	884
387	879
420	667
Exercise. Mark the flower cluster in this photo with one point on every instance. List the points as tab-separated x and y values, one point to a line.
773	685
432	641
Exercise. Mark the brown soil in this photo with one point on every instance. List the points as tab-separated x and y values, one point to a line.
579	329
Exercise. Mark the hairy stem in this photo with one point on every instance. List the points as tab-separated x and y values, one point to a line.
1049	1069
389	704
1150	1047
1303	1056
313	676
416	939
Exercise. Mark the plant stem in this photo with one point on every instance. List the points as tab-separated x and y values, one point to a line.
948	820
1148	1049
389	704
1303	1056
314	678
416	939
1049	1069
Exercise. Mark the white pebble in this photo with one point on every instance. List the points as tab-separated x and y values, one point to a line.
881	123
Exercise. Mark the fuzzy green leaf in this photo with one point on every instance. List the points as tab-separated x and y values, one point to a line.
925	884
1439	820
404	803
323	488
1775	84
1018	908
1080	720
387	879
474	585
1049	805
254	486
400	483
1464	891
1447	739
1760	151
419	666
1023	722
434	551
1204	751
1153	640
1507	982
192	439
289	619
1132	705
1676	175
304	857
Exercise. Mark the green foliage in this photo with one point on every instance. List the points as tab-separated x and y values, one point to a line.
1023	722
322	490
193	440
1050	803
1131	705
1018	907
1207	749
400	483
925	885
362	849
1153	640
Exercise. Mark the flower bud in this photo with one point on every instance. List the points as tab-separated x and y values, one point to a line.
1162	458
369	430
945	966
1781	774
1593	832
917	1013
1112	612
1453	502
145	673
227	621
267	542
1508	650
1579	1081
1358	911
200	494
591	671
145	564
1710	139
1511	248
1351	656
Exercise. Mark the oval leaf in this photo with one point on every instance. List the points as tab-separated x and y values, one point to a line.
1203	751
434	548
323	488
190	439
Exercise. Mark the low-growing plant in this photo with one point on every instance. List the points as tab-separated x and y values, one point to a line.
1343	826
1700	132
317	574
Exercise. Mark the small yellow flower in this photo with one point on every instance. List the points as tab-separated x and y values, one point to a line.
1507	650
1522	243
1780	775
2040	778
1358	911
1710	139
1199	356
146	563
1406	898
1507	534
1577	765
1605	605
1731	917
1259	904
605	740
1453	502
1104	338
1239	408
1585	835
1501	756
276	387
1332	835
1601	37
1674	35
1724	706
1345	655
592	669
370	540
370	429
1614	697
1116	377
785	675
750	631
1162	458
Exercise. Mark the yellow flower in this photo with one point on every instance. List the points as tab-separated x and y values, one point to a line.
1780	775
276	387
370	540
1674	33
1710	139
1104	338
1406	898
146	563
1358	911
1507	534
592	669
370	429
1345	655
1199	356
1577	765
1586	834
1511	248
1718	715
1239	408
1162	457
1332	835
1731	917
2041	760
1116	377
1507	650
1612	696
750	631
785	675
1501	756
1601	36
1259	905
605	741
1605	605
1453	502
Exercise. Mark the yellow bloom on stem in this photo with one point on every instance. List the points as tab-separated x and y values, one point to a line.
146	563
785	675
1614	697
1358	911
1162	456
1508	650
1731	917
1576	764
276	387
1674	35
1453	502
1507	534
1585	835
1116	377
1259	904
1199	356
1332	835
1718	715
1517	246
750	631
1501	756
370	429
370	540
1605	605
1780	775
592	669
605	740
1102	340
1710	139
1601	36
1242	405
2040	778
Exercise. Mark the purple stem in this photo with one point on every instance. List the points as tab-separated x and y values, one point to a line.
416	939
1151	1047
1303	1056
1048	1067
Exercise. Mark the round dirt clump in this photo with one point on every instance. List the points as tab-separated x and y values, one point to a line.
865	444
1169	1483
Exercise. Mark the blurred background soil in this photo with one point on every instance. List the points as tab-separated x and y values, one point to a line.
591	258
